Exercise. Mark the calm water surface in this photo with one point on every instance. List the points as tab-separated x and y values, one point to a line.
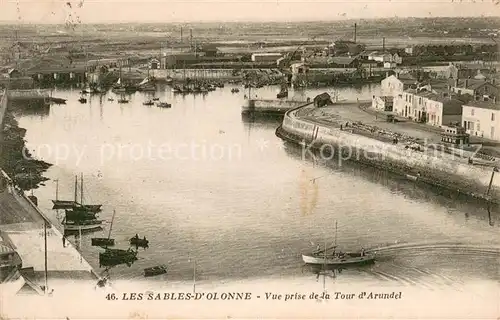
203	185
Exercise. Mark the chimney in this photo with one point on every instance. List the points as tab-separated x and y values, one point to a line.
181	34
466	83
383	44
456	83
355	31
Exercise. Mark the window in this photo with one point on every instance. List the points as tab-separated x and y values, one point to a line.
492	116
471	112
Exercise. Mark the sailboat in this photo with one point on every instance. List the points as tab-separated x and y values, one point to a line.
337	258
147	84
79	218
105	241
73	204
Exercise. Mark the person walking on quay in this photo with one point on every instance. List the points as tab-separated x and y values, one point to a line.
64	241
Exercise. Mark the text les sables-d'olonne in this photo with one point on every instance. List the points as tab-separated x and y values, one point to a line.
187	296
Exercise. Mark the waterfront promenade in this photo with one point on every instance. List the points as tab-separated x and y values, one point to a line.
22	228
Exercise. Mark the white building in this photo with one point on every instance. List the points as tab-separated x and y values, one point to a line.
395	84
482	118
428	107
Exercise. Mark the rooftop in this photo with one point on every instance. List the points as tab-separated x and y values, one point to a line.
492	105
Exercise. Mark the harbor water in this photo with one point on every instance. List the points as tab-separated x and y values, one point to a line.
210	189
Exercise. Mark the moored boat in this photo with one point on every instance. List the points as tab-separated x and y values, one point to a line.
163	105
82	100
82	225
113	257
105	242
155	271
74	204
148	103
136	241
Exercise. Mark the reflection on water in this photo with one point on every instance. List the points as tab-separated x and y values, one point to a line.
244	217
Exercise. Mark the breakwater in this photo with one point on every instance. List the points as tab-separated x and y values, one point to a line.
271	106
440	169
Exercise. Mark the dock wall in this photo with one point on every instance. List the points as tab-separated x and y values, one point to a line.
23	201
443	170
271	106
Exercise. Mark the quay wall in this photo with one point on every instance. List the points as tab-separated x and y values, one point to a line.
440	169
21	197
271	106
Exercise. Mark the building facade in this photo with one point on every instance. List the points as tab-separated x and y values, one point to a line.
395	85
482	119
428	107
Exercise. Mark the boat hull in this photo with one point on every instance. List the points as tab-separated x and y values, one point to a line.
72	205
349	259
77	227
102	242
155	271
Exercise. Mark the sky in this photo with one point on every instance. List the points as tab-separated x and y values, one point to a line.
103	11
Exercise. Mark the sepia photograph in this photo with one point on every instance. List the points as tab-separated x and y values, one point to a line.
252	159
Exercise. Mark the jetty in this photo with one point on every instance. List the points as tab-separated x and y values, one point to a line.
335	126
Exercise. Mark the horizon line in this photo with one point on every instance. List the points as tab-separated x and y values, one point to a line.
12	22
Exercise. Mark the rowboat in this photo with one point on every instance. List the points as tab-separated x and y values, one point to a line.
155	271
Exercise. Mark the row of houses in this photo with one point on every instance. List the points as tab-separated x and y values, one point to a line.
470	103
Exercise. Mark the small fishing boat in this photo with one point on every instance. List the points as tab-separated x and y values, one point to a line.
122	100
113	257
235	90
138	242
105	242
82	225
156	99
282	94
155	271
57	100
111	99
148	103
337	257
82	100
163	105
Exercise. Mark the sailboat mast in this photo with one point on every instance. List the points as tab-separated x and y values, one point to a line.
111	226
57	189
81	189
45	255
76	188
335	244
194	276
